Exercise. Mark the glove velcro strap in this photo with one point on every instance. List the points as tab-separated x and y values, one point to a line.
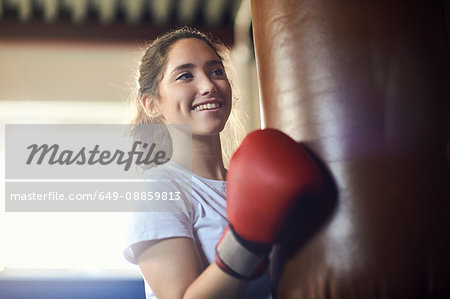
233	258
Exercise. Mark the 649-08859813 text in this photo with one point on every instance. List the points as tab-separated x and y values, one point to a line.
93	196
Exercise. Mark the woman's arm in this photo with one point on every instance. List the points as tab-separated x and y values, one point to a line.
173	269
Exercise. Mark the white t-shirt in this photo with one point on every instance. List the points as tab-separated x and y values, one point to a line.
200	217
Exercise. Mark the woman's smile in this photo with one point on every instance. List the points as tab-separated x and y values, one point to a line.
210	105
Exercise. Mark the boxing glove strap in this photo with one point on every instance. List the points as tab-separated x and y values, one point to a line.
235	259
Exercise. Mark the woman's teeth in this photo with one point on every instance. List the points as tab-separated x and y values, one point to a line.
208	106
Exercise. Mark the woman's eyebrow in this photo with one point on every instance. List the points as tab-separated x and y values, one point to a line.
191	65
182	67
213	62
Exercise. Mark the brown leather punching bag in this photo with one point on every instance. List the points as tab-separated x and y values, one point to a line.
364	85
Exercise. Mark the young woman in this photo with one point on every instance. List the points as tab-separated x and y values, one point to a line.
182	80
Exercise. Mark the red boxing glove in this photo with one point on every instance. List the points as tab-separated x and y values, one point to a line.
267	174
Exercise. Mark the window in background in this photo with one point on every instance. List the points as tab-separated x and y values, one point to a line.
55	83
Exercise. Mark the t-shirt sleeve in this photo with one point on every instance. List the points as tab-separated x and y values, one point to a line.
168	219
165	218
155	226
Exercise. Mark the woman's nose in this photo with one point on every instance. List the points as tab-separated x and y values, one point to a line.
206	85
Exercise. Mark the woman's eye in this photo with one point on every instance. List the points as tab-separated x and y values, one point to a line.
184	76
218	72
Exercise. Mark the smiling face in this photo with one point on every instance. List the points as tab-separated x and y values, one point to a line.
195	89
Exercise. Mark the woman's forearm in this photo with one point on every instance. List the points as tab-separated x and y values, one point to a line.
215	284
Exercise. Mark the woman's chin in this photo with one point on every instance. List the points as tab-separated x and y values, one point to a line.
209	130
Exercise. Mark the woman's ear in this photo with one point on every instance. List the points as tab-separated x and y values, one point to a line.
151	106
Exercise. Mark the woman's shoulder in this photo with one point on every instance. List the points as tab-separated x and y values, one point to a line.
168	175
198	191
168	170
